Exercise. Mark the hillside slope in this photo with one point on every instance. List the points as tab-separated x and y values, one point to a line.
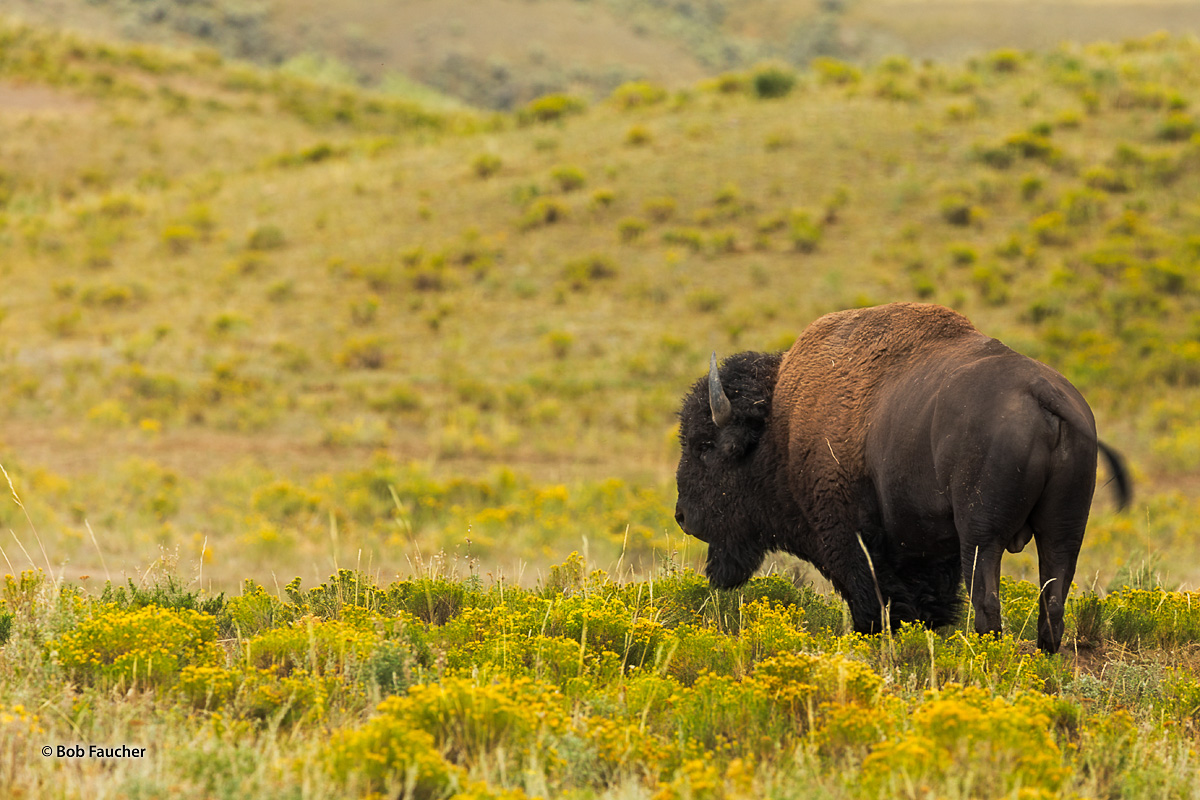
226	289
502	53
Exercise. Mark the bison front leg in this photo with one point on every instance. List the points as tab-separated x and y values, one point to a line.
852	571
981	572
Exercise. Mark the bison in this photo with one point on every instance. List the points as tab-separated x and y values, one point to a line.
900	451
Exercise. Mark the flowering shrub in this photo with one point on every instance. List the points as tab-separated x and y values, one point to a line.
638	94
414	740
1143	618
208	687
586	684
973	744
852	728
769	627
627	746
146	646
469	720
320	645
802	682
551	107
255	610
721	715
608	624
697	779
20	732
16	720
386	755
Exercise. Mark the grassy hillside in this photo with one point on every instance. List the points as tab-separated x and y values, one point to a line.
283	324
502	53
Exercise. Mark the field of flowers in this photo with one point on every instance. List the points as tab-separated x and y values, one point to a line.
582	687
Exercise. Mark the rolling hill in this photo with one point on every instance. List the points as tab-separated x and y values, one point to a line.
251	317
502	53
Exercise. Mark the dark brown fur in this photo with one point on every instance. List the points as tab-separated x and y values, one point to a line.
903	432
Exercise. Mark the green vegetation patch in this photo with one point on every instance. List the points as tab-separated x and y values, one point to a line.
586	684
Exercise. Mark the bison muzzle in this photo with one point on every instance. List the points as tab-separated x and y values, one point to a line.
901	452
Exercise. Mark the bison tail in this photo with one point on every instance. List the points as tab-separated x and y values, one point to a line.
1120	475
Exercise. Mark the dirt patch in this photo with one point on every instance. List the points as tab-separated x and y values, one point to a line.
20	98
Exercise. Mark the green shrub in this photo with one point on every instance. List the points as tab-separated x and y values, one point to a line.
581	273
1050	228
638	94
603	198
266	237
1069	119
179	238
958	210
892	88
552	107
659	209
1107	179
723	242
729	196
962	254
1004	744
999	156
991	284
363	352
1082	206
1006	60
568	177
804	231
962	111
630	229
1035	145
284	501
705	301
638	135
1177	127
691	238
485	165
772	81
387	752
560	343
544	211
1031	187
729	83
832	71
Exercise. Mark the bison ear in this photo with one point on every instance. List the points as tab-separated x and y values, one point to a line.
736	441
718	403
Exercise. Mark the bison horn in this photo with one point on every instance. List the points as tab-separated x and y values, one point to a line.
722	411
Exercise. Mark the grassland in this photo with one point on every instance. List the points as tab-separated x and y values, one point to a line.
502	53
241	308
256	327
581	687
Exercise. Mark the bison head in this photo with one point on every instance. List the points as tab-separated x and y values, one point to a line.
726	473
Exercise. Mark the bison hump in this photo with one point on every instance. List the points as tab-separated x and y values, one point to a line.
892	326
831	377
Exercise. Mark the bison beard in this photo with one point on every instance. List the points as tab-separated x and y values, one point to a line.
903	431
